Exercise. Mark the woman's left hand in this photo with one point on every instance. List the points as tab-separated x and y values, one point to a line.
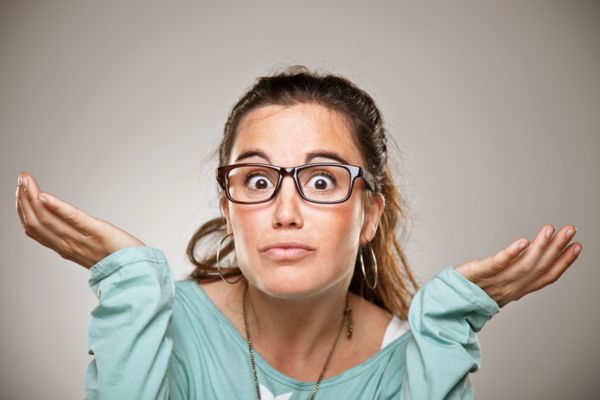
514	272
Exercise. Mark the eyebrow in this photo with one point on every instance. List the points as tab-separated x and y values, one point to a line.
313	154
252	153
326	154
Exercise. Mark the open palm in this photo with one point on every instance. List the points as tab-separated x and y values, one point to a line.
69	231
524	267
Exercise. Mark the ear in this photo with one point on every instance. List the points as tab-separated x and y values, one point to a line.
373	215
224	207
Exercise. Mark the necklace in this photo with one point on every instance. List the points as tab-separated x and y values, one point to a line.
347	320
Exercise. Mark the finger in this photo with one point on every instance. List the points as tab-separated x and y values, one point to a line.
35	203
18	202
29	184
73	216
20	211
26	192
54	223
41	225
526	263
32	209
555	248
27	214
70	227
17	195
31	225
494	264
564	261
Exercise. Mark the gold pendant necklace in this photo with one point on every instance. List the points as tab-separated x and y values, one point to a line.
346	320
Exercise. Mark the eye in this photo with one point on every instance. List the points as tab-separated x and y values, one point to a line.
258	181
321	181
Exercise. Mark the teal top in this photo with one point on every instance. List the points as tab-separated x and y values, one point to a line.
154	338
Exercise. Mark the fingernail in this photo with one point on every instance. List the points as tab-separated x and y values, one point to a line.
578	249
522	245
570	233
549	232
42	198
24	182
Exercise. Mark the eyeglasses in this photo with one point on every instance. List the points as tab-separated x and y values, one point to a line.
323	183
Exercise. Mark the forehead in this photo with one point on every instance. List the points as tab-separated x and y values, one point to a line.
287	134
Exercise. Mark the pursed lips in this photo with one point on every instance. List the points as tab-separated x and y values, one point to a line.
286	250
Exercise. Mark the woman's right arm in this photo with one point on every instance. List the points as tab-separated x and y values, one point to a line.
128	329
69	231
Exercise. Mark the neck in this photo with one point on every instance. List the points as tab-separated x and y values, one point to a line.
298	329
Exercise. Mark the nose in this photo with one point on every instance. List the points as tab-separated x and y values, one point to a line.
287	205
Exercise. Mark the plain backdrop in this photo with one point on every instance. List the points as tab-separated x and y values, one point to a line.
118	106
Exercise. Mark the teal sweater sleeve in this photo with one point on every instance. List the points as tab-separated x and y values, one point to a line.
127	330
444	316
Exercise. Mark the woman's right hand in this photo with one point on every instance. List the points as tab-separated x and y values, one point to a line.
69	231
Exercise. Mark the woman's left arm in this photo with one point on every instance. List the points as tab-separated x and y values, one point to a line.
447	312
524	267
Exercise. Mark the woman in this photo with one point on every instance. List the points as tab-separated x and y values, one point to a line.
314	301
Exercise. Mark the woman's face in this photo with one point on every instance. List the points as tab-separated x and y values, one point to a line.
288	137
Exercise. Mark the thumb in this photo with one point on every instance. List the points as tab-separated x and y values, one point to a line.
29	184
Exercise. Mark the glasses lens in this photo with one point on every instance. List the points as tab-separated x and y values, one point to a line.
324	183
251	183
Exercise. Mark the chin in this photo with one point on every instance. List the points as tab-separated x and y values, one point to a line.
291	283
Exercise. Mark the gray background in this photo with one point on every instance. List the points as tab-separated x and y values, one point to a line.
116	106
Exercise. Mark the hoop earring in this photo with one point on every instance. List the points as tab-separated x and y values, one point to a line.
362	266
218	264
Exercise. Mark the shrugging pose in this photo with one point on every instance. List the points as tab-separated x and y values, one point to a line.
301	289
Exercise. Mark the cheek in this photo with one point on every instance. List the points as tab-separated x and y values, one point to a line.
246	226
339	230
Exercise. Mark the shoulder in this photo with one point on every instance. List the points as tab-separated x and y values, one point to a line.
370	320
217	293
226	298
200	307
222	294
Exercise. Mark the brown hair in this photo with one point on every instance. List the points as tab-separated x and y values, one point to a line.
295	85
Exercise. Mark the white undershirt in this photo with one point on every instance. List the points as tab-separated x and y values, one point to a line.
394	330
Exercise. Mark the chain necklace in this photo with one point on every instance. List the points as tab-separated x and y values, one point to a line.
347	320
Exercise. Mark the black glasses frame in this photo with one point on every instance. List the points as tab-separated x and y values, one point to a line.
354	170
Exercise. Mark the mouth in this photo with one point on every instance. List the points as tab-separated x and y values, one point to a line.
287	250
